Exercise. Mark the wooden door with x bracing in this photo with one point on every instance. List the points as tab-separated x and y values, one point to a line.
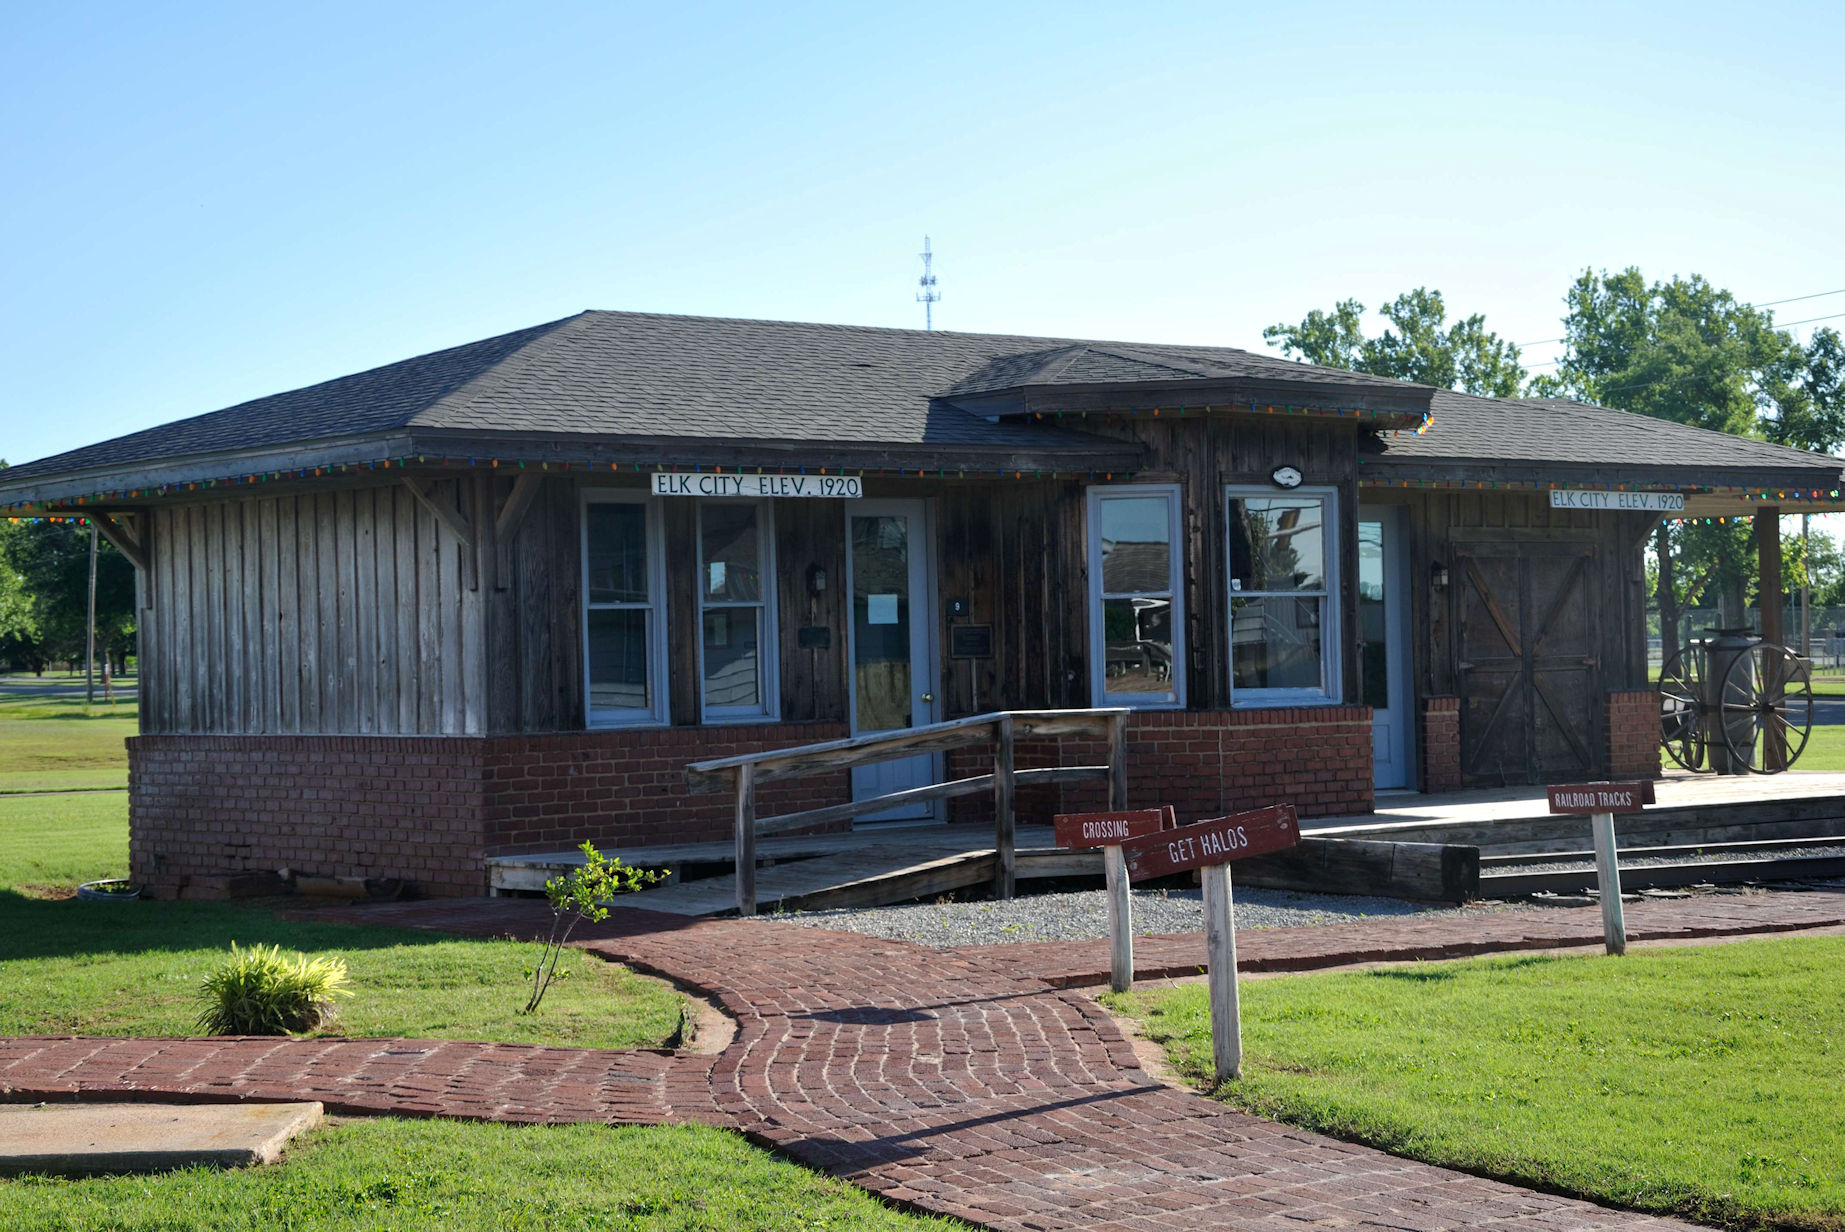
1527	636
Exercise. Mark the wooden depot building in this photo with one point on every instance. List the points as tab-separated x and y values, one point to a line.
493	599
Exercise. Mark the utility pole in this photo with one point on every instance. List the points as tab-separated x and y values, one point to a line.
1806	586
928	296
89	650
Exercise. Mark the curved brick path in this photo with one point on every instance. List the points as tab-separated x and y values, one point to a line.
955	1081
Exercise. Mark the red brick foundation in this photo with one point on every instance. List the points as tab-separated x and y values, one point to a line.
1440	741
1204	764
1633	734
429	809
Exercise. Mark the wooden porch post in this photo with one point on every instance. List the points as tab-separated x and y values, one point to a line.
1768	591
1768	572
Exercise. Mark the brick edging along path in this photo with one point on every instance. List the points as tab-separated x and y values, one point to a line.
953	1081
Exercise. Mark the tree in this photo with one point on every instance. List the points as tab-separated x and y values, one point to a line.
1685	350
52	560
1466	356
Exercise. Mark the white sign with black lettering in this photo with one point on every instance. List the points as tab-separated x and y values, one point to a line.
1644	502
837	487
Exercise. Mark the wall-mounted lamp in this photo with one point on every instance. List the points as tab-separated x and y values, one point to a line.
816	580
1438	575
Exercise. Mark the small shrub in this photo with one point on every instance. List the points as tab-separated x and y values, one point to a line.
261	991
579	895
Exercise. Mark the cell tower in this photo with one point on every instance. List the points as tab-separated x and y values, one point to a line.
928	296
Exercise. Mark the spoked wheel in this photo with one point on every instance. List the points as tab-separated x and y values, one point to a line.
1683	731
1766	711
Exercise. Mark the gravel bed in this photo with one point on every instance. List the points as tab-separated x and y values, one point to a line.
1083	915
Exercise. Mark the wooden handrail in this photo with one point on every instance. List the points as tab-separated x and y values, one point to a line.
1000	729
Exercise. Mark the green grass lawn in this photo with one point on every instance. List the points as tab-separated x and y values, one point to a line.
443	1176
1702	1081
58	743
133	968
1825	749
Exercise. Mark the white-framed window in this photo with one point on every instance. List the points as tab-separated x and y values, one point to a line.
1136	596
624	609
736	610
1284	587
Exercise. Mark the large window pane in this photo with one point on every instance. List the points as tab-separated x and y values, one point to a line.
1278	543
1137	645
1136	544
617	552
1275	643
732	657
732	553
618	660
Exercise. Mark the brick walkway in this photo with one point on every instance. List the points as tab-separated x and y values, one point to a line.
953	1081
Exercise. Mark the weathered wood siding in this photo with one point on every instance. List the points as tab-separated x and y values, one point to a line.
329	612
1601	618
1203	454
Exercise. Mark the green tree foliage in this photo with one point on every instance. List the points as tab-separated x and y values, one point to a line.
51	562
1420	347
1685	350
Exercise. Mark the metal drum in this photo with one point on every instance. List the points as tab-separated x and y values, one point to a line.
1733	752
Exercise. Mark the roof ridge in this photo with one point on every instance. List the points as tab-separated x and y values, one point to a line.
1132	352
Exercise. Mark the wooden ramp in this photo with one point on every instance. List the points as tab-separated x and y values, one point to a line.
866	868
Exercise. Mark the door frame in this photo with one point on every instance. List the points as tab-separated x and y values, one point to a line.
922	512
1399	620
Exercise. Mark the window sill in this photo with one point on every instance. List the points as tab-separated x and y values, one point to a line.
1282	700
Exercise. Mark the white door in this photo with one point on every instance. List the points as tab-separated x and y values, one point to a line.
1383	640
891	643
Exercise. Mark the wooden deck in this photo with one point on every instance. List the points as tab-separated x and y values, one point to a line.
873	866
865	868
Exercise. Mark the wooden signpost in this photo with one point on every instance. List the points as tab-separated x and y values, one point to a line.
1209	847
1108	831
1601	801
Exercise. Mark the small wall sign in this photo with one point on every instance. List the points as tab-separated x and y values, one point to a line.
1643	502
970	641
836	487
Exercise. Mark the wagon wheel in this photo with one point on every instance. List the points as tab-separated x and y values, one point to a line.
1682	729
1766	710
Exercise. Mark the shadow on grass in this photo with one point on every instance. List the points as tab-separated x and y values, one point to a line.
68	928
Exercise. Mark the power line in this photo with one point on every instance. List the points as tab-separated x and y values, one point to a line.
1792	299
1784	325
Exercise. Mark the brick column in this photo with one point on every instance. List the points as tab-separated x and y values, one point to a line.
1633	734
1441	743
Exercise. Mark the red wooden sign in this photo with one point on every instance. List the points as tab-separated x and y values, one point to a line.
1107	829
1217	841
1601	797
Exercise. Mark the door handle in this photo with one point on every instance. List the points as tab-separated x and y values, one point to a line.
928	697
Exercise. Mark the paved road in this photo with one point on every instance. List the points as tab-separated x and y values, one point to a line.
57	686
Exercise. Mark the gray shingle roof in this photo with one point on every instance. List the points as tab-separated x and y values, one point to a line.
631	374
1561	432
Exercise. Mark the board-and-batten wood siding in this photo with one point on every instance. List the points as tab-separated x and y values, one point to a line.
341	611
1203	455
1604	612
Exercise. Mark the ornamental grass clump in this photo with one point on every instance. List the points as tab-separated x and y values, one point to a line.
261	991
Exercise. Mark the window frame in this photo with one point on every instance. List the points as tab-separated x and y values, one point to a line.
1331	690
658	714
768	676
1095	496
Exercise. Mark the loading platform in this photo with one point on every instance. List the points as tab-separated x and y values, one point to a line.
1438	847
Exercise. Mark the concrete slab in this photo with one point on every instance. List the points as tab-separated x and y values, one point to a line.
95	1139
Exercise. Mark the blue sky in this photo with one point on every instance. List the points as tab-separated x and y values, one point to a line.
206	203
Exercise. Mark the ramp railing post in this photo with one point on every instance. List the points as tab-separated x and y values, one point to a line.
1004	824
746	840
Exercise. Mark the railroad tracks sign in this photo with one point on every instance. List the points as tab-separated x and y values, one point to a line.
1601	801
1210	847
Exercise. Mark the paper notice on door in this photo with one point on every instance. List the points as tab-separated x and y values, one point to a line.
880	609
